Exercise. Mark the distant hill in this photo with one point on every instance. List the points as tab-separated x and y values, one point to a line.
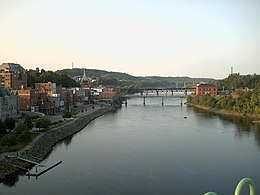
93	73
122	79
235	81
37	76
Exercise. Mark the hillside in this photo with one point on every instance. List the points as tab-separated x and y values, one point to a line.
117	79
93	73
236	81
37	76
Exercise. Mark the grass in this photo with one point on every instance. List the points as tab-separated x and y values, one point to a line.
20	144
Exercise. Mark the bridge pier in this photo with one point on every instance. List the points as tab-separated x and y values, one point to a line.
141	93
172	92
157	92
144	101
162	101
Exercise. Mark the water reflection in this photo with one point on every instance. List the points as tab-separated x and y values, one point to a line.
243	125
151	150
11	180
68	140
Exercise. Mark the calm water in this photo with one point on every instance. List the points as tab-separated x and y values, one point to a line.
151	149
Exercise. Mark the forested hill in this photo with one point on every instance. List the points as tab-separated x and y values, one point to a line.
37	76
235	81
94	73
117	79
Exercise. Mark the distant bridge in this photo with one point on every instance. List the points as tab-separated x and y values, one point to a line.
162	93
165	91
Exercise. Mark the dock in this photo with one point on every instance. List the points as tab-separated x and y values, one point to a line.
38	171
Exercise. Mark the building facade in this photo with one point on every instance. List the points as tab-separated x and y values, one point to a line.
13	76
206	89
49	88
29	99
9	104
107	94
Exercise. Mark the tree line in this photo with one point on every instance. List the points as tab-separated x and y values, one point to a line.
235	81
14	136
243	95
42	76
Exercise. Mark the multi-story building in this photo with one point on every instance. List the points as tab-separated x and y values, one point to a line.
13	76
29	99
49	88
9	104
205	89
107	94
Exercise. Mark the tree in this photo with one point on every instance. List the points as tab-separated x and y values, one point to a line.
21	127
2	128
42	122
9	123
28	122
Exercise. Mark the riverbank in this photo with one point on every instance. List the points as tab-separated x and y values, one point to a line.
255	118
42	145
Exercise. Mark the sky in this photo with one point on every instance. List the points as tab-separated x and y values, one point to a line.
196	38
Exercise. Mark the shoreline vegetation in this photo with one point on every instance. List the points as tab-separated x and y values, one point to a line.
42	145
255	118
242	102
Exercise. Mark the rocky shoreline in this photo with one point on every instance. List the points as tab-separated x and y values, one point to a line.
42	145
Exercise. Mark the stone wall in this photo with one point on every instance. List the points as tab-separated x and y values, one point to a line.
41	147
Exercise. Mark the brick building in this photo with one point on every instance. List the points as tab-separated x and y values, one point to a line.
29	99
204	89
107	94
13	76
49	88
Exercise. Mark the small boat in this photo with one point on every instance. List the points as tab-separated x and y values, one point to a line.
185	117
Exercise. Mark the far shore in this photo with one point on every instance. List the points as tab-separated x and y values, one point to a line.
255	118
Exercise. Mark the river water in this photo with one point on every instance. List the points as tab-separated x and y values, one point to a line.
151	149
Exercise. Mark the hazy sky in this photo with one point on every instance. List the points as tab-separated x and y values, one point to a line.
197	38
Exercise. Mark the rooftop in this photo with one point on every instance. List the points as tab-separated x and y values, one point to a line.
12	66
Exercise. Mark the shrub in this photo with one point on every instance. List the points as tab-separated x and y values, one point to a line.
67	114
9	123
42	122
28	122
21	127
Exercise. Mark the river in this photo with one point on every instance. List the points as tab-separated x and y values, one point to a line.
151	149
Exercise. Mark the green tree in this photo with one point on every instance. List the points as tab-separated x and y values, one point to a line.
42	122
28	122
9	123
21	127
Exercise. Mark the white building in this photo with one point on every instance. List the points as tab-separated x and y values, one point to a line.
9	104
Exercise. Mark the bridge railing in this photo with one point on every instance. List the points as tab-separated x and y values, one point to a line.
244	182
